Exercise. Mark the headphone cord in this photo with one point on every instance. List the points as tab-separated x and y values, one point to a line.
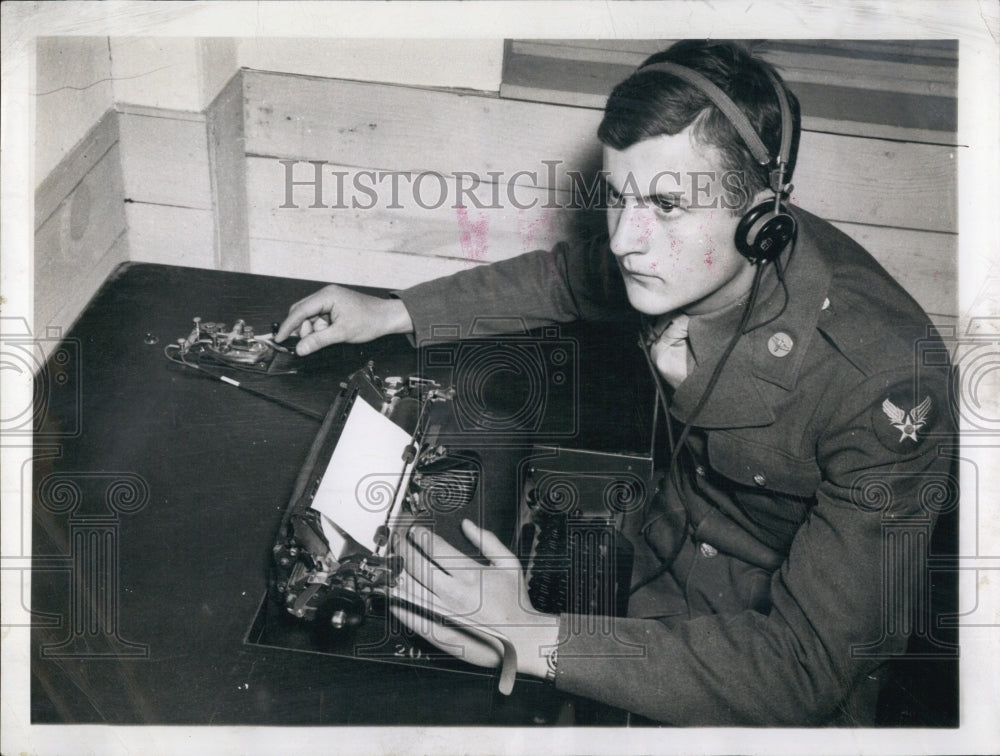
779	271
675	449
717	372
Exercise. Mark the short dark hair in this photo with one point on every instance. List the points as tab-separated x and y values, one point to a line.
653	103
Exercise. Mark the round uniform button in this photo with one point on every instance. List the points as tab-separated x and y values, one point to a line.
708	550
759	479
780	344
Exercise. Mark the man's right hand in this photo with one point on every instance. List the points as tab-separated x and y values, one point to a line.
335	314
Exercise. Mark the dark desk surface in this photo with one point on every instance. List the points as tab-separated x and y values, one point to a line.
158	494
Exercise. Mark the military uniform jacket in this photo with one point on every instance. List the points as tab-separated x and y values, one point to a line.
823	437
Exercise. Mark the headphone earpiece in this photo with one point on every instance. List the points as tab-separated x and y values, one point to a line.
767	228
764	232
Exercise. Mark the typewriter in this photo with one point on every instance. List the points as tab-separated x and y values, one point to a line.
381	461
375	466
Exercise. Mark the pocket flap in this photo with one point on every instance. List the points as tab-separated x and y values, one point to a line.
747	461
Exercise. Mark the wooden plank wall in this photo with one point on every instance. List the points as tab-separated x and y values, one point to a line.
137	188
168	195
227	171
354	127
80	227
494	175
895	197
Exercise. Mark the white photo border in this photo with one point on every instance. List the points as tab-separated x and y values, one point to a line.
974	24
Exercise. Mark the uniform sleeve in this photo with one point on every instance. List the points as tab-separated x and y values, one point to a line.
885	477
566	283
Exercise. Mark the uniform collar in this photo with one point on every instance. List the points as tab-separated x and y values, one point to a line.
771	353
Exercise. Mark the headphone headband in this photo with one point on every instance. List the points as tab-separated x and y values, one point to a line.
738	118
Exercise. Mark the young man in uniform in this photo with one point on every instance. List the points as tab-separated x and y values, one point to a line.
800	426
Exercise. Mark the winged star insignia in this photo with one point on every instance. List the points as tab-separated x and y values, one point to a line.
907	423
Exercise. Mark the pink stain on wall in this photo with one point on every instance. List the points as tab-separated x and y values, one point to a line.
472	235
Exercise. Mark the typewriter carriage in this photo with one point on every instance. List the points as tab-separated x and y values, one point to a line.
319	573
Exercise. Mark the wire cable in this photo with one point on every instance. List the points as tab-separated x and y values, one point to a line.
179	359
784	305
675	448
717	372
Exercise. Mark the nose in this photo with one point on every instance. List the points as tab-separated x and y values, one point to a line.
630	227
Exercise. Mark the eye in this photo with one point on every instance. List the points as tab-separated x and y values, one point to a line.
664	203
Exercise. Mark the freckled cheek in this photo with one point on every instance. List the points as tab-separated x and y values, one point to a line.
707	245
718	248
642	225
708	252
669	253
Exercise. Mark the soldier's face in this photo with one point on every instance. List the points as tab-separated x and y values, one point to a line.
672	227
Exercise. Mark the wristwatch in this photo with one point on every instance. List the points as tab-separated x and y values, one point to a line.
551	661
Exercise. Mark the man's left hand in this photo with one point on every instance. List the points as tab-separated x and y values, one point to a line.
482	601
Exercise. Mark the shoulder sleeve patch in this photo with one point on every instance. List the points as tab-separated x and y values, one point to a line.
903	421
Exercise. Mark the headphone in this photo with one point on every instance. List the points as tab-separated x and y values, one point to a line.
767	228
761	235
